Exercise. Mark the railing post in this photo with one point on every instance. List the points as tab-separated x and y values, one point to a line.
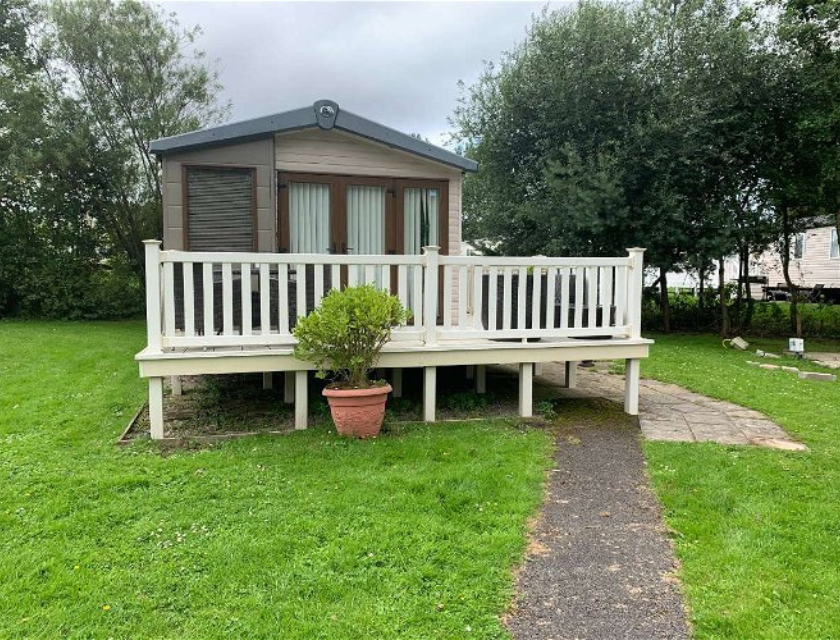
153	326
430	293
635	282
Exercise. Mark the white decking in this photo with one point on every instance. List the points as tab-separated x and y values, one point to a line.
467	311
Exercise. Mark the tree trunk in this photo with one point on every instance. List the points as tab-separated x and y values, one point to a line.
701	303
724	310
739	295
745	325
664	301
795	324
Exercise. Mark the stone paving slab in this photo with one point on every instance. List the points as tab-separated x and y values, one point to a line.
669	412
830	360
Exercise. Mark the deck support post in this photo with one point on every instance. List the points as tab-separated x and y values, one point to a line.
631	386
156	408
470	372
396	382
175	382
538	368
571	375
429	393
301	400
526	389
481	379
268	380
288	387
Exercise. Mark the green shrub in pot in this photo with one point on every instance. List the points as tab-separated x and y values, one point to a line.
345	334
343	338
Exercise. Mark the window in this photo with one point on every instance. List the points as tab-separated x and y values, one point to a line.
834	249
421	219
309	217
220	209
799	246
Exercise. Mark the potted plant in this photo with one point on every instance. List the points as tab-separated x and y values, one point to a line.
343	338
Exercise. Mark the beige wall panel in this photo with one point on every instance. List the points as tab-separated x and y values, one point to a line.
173	238
246	153
173	193
259	155
264	195
265	220
264	175
266	241
316	151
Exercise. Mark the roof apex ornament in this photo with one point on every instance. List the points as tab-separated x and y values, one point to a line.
326	111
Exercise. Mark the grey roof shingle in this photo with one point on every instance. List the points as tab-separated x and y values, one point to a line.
324	114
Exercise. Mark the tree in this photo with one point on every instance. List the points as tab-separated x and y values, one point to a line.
804	177
566	97
138	77
83	88
608	128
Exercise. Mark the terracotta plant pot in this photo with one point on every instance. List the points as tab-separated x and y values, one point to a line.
358	412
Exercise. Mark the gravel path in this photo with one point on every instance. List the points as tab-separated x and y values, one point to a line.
600	565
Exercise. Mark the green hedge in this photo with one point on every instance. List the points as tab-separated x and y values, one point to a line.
72	292
820	320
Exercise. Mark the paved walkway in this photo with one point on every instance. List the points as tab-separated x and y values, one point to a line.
669	412
600	563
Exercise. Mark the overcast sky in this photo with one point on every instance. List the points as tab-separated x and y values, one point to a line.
397	63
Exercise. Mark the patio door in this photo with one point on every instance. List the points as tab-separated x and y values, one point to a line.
336	214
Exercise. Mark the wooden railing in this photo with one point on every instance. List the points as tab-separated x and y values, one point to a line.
227	299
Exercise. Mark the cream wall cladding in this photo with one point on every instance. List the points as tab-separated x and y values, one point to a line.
815	267
258	155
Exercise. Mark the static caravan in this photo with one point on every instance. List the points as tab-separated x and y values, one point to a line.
261	218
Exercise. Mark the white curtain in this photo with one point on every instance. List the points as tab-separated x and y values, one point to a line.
421	218
365	220
309	217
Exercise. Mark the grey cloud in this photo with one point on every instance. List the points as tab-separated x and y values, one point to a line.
397	63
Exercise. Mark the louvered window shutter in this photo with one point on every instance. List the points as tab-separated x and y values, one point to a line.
220	209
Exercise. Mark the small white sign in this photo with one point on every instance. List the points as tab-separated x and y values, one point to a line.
797	345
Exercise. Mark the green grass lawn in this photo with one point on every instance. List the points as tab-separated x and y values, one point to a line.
307	535
757	530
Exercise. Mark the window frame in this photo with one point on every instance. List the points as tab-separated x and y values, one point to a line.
185	195
799	241
394	241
